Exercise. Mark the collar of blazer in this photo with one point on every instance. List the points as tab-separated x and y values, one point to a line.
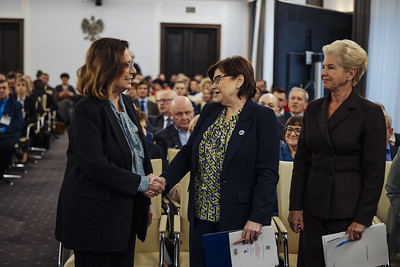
123	144
339	115
238	134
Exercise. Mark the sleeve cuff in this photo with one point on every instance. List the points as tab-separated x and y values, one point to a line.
144	184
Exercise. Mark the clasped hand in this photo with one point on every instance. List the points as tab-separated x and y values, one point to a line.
156	185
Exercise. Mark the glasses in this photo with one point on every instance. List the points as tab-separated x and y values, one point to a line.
218	78
180	114
290	130
164	100
130	66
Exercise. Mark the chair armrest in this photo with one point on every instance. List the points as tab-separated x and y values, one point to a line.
280	225
163	224
273	224
376	220
177	224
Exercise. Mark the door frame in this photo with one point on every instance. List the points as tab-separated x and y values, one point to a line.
20	23
185	25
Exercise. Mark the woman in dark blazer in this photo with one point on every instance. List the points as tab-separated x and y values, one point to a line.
103	203
340	161
233	158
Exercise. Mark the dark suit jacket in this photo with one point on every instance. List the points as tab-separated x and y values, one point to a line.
99	203
250	168
13	109
282	119
167	138
155	123
151	107
340	162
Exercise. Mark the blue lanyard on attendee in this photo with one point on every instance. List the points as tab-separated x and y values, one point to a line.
3	107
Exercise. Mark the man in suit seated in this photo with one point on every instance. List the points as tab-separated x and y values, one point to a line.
11	124
142	102
281	95
177	134
391	149
157	123
297	103
269	100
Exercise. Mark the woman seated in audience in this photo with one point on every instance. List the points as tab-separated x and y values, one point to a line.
29	111
154	150
291	134
205	85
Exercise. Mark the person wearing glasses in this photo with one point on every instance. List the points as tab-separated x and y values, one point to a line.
104	199
291	134
339	166
233	158
162	121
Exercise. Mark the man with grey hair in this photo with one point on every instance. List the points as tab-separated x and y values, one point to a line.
297	103
162	121
390	150
177	134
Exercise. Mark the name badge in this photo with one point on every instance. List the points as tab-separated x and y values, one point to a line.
5	119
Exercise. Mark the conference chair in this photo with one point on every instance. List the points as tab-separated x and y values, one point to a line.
151	252
384	203
180	221
288	240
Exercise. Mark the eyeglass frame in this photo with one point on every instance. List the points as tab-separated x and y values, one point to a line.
218	78
130	66
292	131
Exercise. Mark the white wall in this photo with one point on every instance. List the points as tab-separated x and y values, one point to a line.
54	41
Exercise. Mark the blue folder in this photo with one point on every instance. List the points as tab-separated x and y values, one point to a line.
217	249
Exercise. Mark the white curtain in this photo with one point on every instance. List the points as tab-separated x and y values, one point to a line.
383	80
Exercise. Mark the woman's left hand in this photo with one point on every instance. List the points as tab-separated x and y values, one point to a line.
251	231
355	231
150	218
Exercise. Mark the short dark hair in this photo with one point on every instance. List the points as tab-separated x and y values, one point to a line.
145	83
278	90
66	75
235	66
159	81
296	120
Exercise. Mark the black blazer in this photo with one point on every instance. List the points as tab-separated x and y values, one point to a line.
340	162
167	138
13	109
155	123
99	204
283	119
250	169
151	107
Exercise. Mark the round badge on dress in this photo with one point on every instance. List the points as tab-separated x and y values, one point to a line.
241	132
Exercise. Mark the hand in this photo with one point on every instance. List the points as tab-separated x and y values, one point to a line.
251	231
295	220
355	231
156	185
150	218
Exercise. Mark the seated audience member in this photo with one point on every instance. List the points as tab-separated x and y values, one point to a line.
28	102
391	150
154	150
261	86
177	134
143	102
175	192
66	98
181	90
194	87
291	135
297	103
281	96
162	121
132	92
11	124
393	216
269	100
11	80
207	97
2	76
257	96
205	83
158	87
47	101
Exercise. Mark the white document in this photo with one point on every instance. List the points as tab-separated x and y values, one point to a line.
371	250
262	253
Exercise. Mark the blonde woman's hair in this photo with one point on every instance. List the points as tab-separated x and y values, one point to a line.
25	83
105	63
351	56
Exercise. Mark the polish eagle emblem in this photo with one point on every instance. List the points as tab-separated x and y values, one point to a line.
92	28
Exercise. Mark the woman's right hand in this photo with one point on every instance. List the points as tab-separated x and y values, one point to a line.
295	219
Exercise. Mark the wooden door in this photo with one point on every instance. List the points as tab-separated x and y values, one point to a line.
189	49
11	45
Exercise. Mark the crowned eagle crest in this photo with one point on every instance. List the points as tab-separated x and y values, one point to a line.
92	28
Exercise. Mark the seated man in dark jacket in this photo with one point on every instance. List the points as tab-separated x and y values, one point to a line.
11	124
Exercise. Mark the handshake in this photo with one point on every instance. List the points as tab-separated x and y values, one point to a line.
156	185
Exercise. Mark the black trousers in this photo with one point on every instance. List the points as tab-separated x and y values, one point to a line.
311	252
197	229
107	259
6	153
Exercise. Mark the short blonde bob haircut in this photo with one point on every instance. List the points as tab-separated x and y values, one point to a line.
24	83
105	63
351	56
